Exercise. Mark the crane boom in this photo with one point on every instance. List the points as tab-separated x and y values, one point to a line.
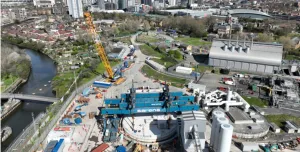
98	44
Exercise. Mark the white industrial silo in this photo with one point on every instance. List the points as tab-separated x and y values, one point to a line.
225	138
220	121
215	115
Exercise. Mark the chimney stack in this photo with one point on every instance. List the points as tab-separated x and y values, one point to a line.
232	48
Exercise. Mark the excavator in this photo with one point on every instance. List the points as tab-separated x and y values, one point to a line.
112	76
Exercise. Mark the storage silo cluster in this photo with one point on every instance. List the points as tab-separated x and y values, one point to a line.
221	132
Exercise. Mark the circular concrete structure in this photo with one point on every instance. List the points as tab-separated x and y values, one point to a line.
149	129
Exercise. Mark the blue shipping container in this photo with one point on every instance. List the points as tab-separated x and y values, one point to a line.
50	146
59	146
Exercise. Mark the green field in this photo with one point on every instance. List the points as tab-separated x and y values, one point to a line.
123	39
7	81
280	119
292	57
146	38
147	50
177	82
203	68
101	67
256	101
192	41
166	61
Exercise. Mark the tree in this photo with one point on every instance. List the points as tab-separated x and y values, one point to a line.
146	25
286	42
263	37
116	31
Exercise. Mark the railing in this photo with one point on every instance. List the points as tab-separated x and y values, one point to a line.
22	138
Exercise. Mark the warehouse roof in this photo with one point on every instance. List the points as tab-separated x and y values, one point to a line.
263	53
248	11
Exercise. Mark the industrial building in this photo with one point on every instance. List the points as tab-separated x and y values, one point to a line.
192	131
274	128
246	56
249	13
290	128
155	65
149	129
215	99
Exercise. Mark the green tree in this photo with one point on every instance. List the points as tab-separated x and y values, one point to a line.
286	42
263	37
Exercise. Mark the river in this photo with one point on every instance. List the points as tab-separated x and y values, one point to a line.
39	83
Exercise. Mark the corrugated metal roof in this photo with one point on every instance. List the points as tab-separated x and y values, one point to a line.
247	11
263	53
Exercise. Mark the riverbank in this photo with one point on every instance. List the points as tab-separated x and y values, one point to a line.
16	67
9	107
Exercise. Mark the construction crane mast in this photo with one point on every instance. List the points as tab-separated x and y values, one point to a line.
98	45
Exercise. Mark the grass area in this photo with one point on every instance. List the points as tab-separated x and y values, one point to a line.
256	101
203	68
280	119
147	38
101	68
123	39
63	81
192	41
177	82
292	57
7	81
147	50
166	61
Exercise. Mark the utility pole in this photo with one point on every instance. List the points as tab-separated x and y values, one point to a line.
75	80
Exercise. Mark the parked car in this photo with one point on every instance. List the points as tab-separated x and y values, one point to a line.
239	75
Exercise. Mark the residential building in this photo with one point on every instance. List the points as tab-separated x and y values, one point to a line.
43	3
111	6
122	4
75	8
59	8
247	56
147	2
17	13
101	4
296	42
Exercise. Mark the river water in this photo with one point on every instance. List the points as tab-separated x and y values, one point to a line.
39	83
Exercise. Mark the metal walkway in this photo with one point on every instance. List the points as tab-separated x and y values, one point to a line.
28	97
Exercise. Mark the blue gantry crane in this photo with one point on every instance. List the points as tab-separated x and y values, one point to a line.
159	102
142	103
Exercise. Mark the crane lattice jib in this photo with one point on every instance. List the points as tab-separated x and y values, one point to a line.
98	44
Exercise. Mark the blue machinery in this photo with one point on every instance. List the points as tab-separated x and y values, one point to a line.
134	103
138	103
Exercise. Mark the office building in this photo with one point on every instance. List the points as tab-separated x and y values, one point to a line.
75	8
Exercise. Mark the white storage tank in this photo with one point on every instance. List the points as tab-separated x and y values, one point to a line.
220	122
225	137
184	70
215	115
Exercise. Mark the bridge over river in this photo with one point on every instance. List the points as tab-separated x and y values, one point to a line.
28	97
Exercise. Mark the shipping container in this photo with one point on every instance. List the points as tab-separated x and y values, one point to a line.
59	146
101	148
50	146
184	70
102	84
